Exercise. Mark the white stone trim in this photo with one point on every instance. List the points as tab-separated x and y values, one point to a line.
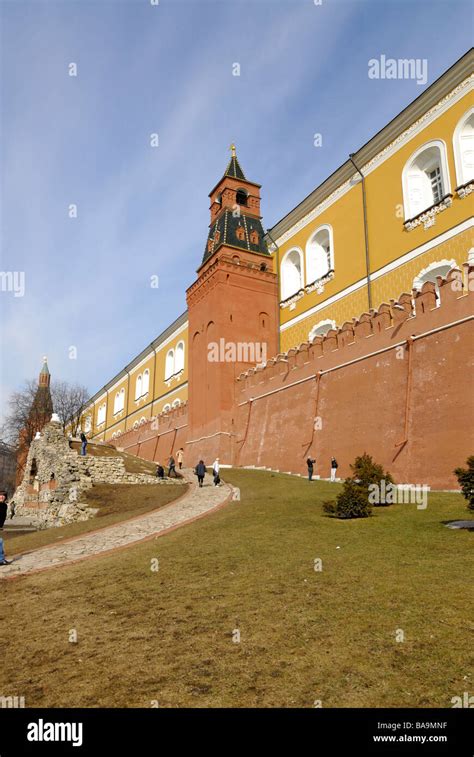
325	322
417	281
142	362
431	115
464	226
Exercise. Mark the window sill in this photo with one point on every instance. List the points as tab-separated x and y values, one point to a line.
464	190
428	217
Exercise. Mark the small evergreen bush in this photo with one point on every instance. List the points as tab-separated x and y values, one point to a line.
352	502
465	477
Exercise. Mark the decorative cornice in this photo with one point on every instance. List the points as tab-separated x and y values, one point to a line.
430	115
465	190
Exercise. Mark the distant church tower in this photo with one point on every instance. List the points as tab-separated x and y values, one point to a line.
232	311
40	414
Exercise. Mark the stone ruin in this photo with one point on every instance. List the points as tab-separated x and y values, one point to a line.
56	479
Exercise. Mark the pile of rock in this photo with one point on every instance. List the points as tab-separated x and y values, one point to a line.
56	479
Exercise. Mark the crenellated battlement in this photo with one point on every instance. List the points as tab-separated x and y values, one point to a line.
385	320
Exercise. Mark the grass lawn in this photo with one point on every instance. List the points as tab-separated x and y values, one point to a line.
304	635
115	503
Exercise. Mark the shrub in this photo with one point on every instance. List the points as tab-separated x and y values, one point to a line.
465	477
352	502
368	473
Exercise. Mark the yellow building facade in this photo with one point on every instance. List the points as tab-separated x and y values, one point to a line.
155	381
397	213
341	254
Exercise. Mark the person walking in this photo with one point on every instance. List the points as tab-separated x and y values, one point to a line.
160	471
3	515
200	471
172	467
215	472
334	467
310	463
83	443
180	457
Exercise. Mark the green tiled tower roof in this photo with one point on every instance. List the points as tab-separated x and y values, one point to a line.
244	231
224	231
234	170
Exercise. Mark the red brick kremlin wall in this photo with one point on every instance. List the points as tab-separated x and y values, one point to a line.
396	383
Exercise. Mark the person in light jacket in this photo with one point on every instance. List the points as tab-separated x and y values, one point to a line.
334	467
215	472
180	457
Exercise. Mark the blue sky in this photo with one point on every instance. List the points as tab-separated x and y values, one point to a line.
143	211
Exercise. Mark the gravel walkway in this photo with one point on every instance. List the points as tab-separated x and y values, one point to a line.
194	504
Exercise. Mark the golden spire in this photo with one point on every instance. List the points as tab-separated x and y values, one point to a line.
232	149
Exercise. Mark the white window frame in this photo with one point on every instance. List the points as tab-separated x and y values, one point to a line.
324	227
169	364
138	386
179	349
422	276
285	294
325	322
461	179
440	145
101	414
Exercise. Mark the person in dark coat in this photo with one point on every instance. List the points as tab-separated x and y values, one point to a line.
310	463
3	515
172	467
160	471
334	467
200	472
83	443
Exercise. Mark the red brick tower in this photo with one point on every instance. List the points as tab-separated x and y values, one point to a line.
233	313
39	415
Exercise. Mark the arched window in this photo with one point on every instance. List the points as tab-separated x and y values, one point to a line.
425	179
179	357
122	399
146	382
138	387
438	268
169	366
319	254
101	414
87	424
291	273
176	403
321	328
463	143
241	197
117	403
166	408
